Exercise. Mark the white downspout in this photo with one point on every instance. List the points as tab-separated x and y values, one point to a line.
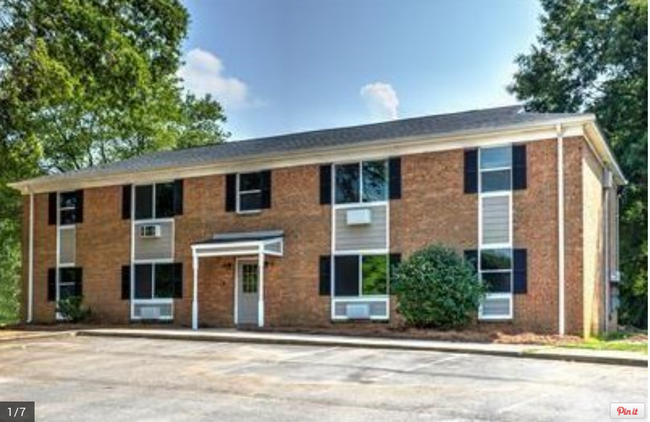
606	253
30	269
560	206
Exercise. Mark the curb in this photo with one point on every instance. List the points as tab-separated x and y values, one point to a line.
38	336
375	344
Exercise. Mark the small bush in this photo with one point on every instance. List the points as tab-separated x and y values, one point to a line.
437	288
72	311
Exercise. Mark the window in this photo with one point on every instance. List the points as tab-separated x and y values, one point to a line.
154	201
69	279
496	169
68	204
496	270
361	182
154	281
249	192
360	275
249	278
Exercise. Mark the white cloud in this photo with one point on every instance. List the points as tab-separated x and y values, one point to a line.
381	100
203	73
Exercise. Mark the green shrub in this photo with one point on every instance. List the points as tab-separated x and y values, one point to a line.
437	288
72	311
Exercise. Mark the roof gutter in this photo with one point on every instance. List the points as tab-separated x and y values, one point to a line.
309	156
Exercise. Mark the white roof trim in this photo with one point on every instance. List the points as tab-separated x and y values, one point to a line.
574	126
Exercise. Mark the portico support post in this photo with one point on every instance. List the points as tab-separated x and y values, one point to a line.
260	300
195	294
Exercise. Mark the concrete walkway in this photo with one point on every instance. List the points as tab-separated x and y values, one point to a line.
508	350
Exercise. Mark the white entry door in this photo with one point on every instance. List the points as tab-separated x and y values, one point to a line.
247	292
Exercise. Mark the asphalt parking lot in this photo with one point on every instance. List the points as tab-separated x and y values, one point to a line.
112	379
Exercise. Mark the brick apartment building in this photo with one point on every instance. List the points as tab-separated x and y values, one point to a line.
302	229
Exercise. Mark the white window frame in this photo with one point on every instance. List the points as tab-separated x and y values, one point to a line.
492	194
134	261
360	297
59	264
154	218
247	192
361	201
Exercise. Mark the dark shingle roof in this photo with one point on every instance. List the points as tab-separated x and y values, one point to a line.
436	125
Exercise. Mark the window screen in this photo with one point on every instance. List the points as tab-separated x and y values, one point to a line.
346	275
164	200
143	281
143	202
347	183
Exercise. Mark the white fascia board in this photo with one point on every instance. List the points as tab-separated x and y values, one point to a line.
574	126
596	138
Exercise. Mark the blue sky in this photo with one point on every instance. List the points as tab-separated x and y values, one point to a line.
282	66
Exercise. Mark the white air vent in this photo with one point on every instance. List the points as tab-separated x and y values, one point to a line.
150	312
150	231
358	311
359	217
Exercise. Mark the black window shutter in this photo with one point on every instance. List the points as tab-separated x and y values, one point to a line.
394	260
126	282
126	202
80	206
395	178
231	192
471	170
325	270
265	182
519	178
471	256
51	284
521	271
178	197
78	279
178	280
52	209
326	184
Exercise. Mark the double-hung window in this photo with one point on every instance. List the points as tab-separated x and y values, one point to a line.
360	275
155	281
249	192
362	182
68	205
495	234
154	201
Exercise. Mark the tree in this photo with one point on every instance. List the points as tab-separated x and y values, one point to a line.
592	55
88	82
437	288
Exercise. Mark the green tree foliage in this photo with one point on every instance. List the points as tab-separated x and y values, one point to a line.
592	55
88	82
437	288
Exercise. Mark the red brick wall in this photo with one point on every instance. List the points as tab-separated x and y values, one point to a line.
433	208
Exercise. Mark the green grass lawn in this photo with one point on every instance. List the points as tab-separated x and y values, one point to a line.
622	341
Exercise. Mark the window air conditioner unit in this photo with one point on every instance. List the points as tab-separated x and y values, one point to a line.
359	217
149	231
615	276
358	311
150	312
